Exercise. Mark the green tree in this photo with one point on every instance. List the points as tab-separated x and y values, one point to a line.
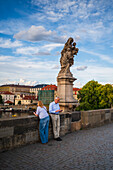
106	96
19	102
95	96
1	100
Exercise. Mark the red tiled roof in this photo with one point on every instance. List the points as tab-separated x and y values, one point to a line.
29	98
6	92
50	87
8	102
76	89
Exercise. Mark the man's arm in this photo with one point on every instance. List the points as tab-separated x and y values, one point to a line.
51	108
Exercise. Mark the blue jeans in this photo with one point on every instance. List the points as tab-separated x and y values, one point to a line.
43	128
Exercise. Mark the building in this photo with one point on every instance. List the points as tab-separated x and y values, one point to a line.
25	100
47	94
35	89
75	92
50	87
16	89
7	97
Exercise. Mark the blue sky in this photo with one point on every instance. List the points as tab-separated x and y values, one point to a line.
33	34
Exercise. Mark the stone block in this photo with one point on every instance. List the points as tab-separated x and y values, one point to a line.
31	136
75	126
76	116
18	140
108	116
6	132
6	143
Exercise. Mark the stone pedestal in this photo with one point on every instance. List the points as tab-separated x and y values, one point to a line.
65	92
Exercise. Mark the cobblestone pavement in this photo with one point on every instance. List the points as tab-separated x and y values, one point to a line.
90	149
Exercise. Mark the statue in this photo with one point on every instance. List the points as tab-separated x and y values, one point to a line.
67	56
65	78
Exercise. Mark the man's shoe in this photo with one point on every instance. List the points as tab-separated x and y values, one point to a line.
58	139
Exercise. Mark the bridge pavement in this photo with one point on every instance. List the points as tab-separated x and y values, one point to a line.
90	149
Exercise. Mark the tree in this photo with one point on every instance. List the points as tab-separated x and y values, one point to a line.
1	100
106	96
95	96
19	102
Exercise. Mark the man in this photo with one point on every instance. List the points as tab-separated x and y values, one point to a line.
54	110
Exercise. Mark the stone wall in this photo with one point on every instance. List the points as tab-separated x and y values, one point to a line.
15	132
93	118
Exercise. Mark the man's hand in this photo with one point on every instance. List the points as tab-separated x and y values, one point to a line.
59	110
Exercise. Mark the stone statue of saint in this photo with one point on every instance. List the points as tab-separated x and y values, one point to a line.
67	56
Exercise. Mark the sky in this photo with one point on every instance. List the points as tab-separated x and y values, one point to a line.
33	34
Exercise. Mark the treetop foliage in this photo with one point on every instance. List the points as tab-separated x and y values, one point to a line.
95	96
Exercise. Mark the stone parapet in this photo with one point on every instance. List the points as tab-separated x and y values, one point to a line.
93	118
15	132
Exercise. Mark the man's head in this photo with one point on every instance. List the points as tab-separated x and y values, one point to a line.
57	99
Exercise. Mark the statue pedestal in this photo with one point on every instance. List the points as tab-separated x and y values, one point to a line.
65	92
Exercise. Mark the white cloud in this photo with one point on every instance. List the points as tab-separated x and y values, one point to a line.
11	26
60	6
17	81
25	70
81	68
27	50
55	67
100	74
7	43
50	47
6	58
53	16
39	33
41	53
22	81
30	83
28	70
101	56
77	84
43	50
91	61
27	82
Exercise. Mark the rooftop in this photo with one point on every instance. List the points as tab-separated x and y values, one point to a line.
16	85
40	86
6	92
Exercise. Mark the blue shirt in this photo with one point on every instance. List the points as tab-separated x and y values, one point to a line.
42	112
53	107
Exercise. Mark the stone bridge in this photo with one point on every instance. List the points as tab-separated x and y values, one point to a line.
90	149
